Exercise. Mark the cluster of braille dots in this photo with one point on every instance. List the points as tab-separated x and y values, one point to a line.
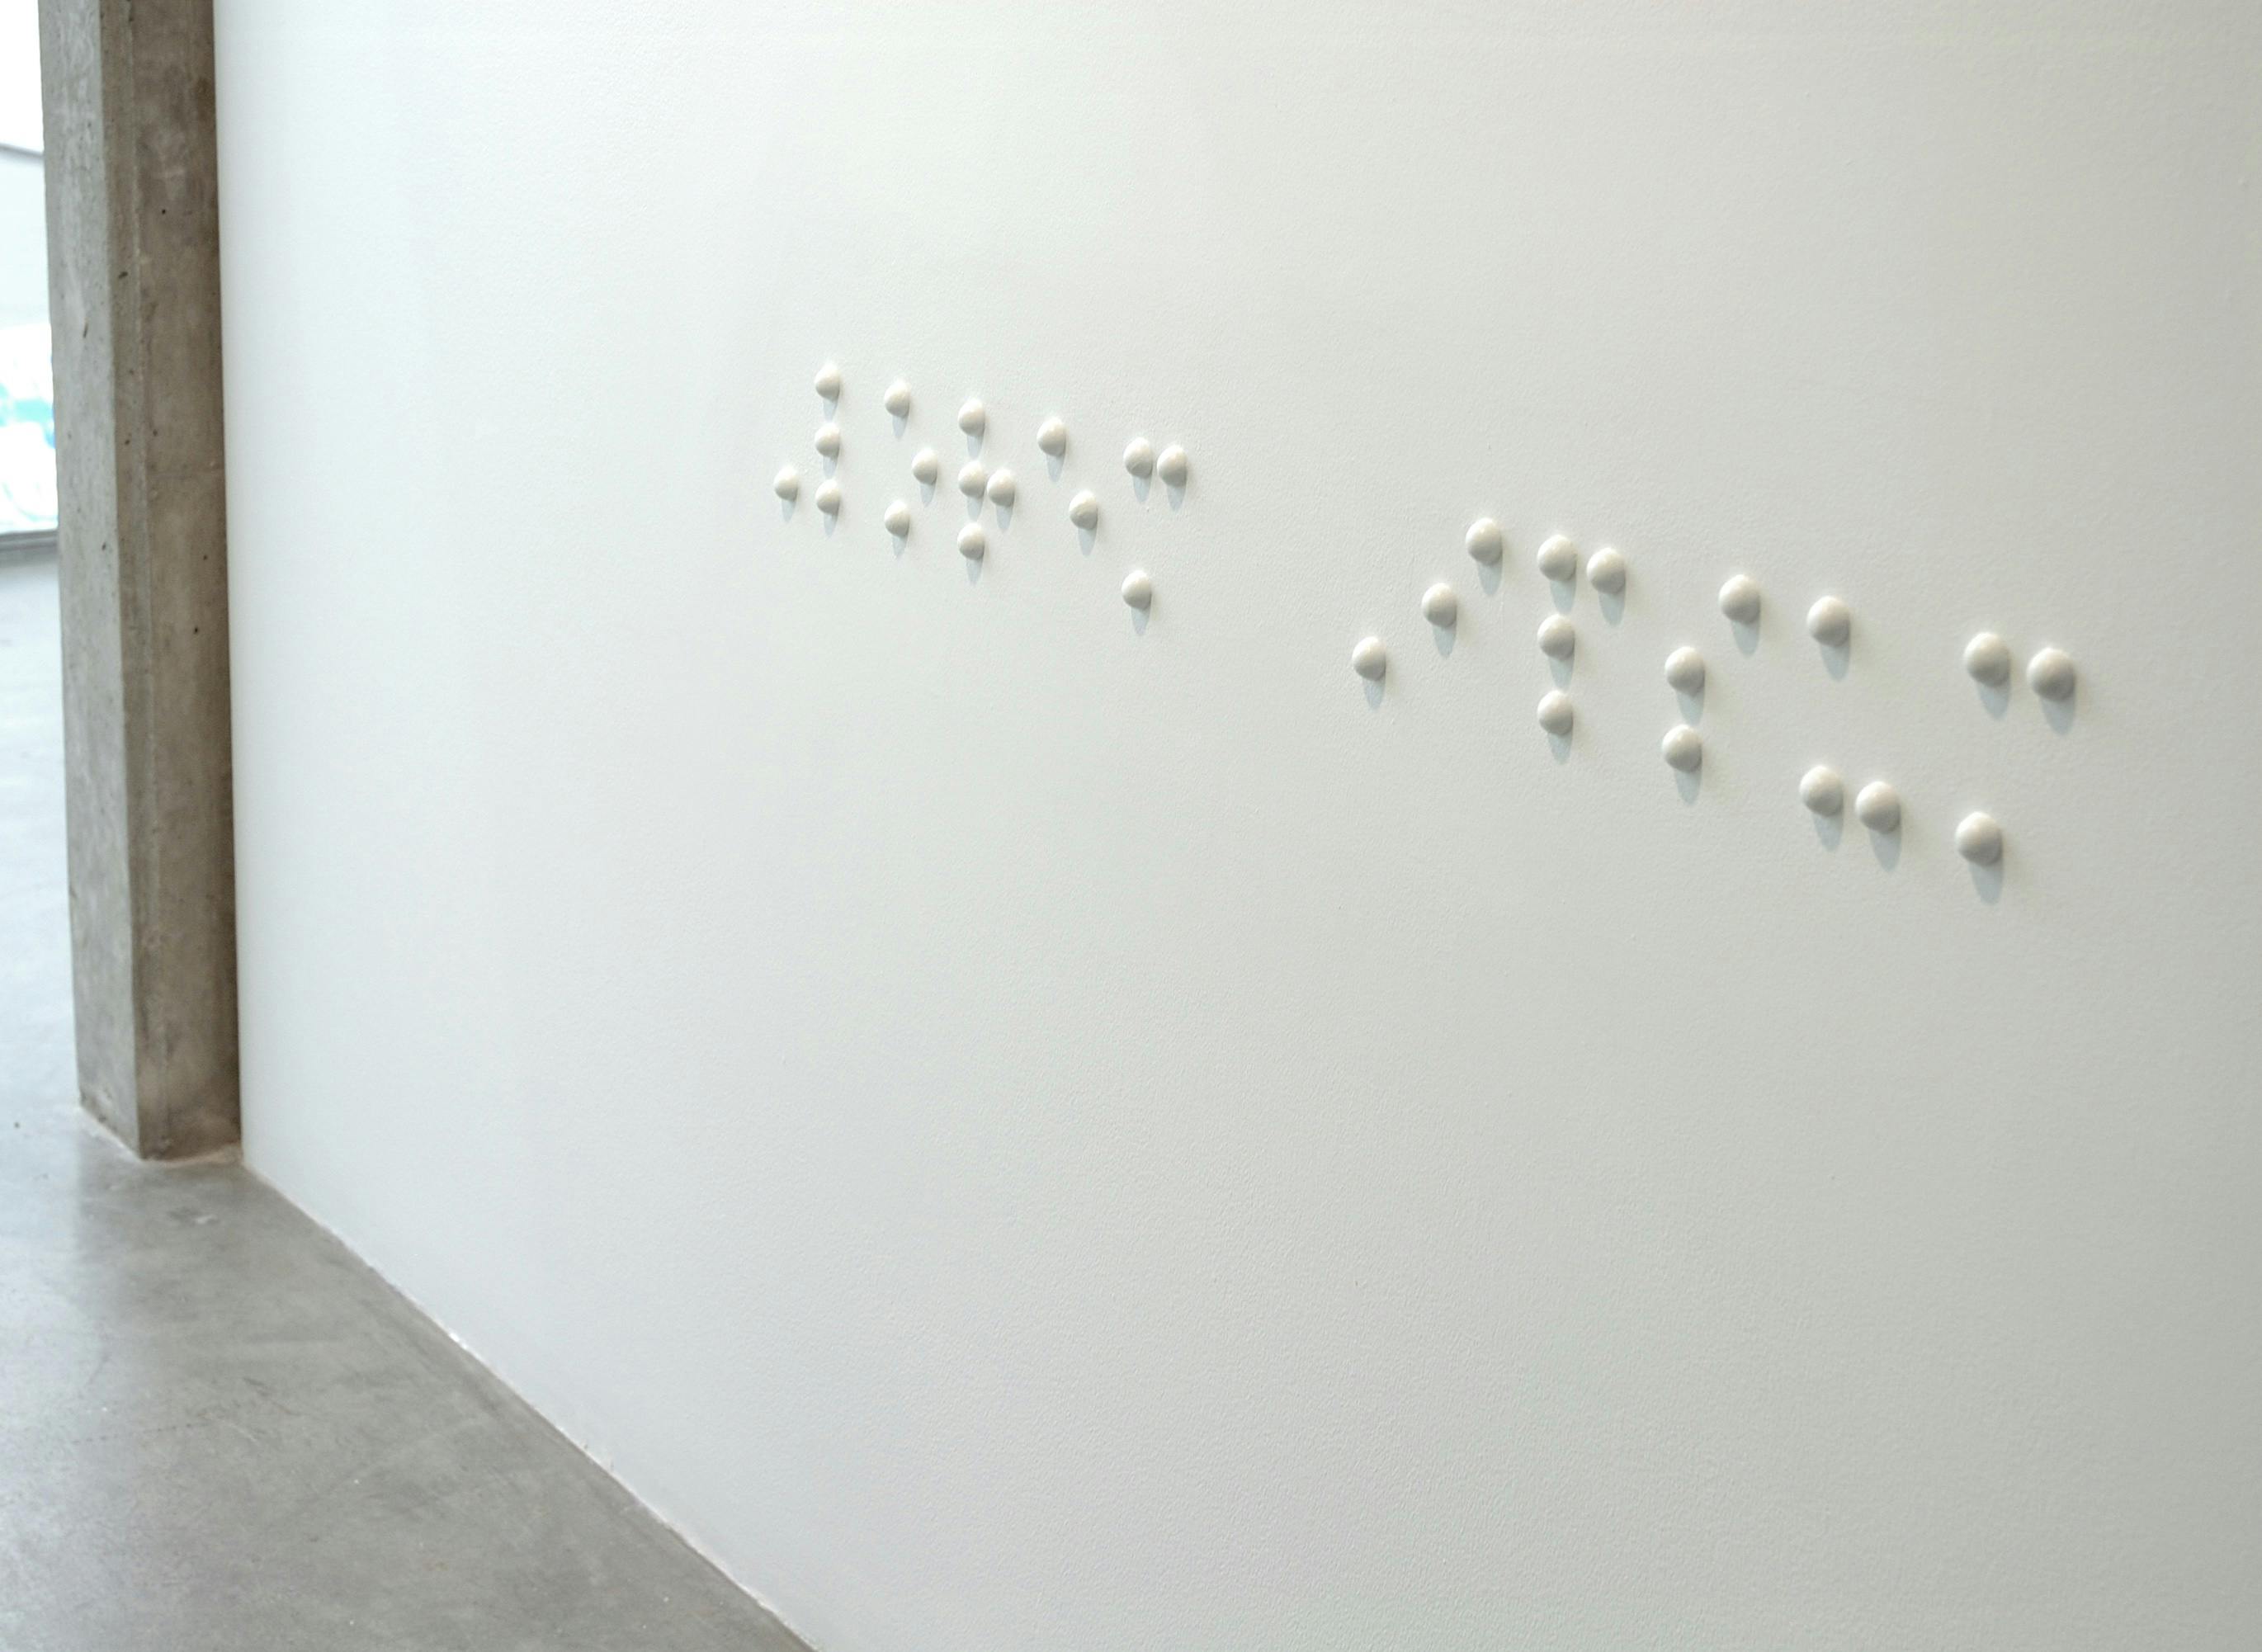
979	483
1978	837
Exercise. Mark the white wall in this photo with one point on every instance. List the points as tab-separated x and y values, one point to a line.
1020	1134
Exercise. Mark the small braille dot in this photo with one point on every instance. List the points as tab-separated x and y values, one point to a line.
788	486
1370	659
1830	622
828	498
1170	465
1139	458
1684	671
2050	673
1878	807
828	440
1740	600
973	418
1559	559
1485	542
1002	489
926	466
898	519
1606	571
1555	713
1820	789
1440	606
1083	510
972	479
1987	659
1139	590
1684	748
1052	438
1978	840
828	382
1559	639
899	398
972	542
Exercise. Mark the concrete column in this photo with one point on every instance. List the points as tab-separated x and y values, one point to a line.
133	279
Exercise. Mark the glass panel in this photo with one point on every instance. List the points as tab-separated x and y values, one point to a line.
27	386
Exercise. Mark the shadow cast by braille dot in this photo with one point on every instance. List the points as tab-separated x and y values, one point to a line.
785	509
2058	714
973	443
1560	670
831	462
1563	593
1488	578
1004	517
1987	883
1689	783
1836	657
1747	637
972	506
1613	606
1444	637
1692	706
1994	698
1054	465
1140	486
1829	830
832	521
974	565
901	420
1139	619
1176	495
1559	746
1373	695
1886	845
1086	537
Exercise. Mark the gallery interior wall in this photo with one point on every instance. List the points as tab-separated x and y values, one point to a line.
1020	1129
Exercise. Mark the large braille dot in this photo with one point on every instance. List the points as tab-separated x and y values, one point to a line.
1978	840
1682	748
1830	622
2050	673
1820	789
1740	600
1878	807
1987	657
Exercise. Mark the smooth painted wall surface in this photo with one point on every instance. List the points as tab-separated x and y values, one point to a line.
1019	1133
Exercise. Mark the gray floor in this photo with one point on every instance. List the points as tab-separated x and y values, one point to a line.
218	1430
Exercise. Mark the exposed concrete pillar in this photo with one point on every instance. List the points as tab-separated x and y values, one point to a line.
133	279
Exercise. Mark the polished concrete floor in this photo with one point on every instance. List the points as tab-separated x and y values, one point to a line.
218	1430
